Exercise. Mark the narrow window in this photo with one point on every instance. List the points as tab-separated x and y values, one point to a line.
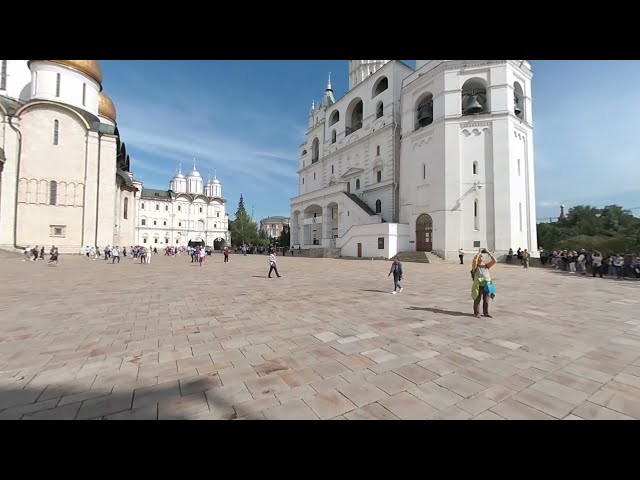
84	94
157	207
520	214
476	215
518	167
378	150
217	214
314	175
179	208
379	175
56	132
144	222
166	208
155	222
358	184
3	75
53	192
332	169
424	171
57	84
164	223
126	208
200	209
378	206
179	224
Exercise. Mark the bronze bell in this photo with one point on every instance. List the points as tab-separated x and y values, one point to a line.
516	107
473	106
425	115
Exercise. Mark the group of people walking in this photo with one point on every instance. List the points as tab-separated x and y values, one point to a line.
482	288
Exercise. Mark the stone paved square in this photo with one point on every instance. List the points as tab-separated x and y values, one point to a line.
92	340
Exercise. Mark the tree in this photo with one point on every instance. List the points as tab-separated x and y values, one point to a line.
243	230
609	230
285	237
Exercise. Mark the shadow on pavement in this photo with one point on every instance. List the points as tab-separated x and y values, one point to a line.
441	311
191	399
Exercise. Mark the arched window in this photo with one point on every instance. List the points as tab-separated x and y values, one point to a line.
424	110
379	110
379	176
475	168
126	208
378	150
358	184
56	132
315	150
157	207
166	208
200	209
518	100
334	118
380	86
333	136
355	114
348	187
164	223
143	221
155	222
179	208
378	206
476	215
304	152
53	192
475	99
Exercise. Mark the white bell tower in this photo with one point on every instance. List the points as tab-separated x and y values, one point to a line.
361	69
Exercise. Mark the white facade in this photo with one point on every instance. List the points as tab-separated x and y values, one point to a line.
186	214
448	160
66	172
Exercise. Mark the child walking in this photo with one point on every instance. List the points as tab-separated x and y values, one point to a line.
396	269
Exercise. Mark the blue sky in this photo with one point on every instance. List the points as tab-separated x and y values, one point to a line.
246	120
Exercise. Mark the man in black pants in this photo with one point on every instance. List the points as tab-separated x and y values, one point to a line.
272	265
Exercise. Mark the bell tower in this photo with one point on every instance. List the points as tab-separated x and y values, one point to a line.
361	69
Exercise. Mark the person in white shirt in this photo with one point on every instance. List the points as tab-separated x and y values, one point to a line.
618	263
115	255
596	264
461	256
272	265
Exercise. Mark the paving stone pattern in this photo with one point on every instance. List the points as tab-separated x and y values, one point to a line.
90	340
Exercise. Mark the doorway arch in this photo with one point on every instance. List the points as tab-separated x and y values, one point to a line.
219	244
196	242
424	233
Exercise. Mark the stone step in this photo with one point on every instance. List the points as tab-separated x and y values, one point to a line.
414	257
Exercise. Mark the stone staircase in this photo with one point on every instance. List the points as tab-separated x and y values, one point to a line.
414	257
324	252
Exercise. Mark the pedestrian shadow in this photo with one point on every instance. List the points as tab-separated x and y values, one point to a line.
442	312
375	291
195	398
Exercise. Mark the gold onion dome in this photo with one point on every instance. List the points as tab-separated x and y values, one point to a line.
106	108
88	67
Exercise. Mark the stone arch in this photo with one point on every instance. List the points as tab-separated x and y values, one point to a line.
475	97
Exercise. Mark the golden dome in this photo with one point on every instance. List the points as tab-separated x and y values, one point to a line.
88	67
106	108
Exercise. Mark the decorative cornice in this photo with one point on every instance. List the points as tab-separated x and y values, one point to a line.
475	124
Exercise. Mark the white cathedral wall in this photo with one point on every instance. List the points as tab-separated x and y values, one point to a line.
18	83
7	192
106	191
44	86
42	162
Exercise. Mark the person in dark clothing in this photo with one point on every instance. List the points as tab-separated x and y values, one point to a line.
396	269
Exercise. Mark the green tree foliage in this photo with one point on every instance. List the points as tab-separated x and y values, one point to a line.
610	230
244	231
285	237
